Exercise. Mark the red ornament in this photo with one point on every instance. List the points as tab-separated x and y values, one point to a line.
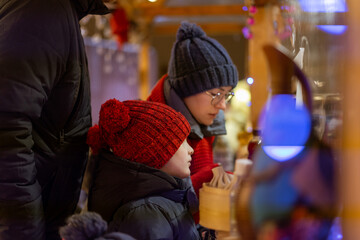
120	25
252	9
250	21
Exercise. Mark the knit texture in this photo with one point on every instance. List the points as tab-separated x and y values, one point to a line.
141	131
199	63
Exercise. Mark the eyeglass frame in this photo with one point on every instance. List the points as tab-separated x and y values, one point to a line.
228	96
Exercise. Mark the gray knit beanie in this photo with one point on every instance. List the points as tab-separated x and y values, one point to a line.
199	63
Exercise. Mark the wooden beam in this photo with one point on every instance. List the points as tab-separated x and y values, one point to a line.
349	184
209	28
193	10
144	69
261	3
145	4
258	67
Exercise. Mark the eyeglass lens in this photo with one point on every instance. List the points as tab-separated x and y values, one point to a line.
219	97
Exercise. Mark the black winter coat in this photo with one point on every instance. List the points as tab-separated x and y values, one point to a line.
141	201
44	114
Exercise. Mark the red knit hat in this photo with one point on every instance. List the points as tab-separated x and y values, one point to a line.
140	131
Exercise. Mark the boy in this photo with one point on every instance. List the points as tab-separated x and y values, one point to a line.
142	159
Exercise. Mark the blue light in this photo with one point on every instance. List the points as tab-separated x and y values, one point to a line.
323	6
282	153
250	80
333	29
244	8
327	6
285	127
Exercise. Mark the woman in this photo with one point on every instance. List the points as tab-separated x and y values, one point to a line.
198	84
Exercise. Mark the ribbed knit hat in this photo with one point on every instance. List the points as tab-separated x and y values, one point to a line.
199	63
141	131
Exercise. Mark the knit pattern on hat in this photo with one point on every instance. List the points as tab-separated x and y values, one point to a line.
199	63
145	132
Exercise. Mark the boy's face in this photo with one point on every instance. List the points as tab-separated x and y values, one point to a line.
179	163
201	107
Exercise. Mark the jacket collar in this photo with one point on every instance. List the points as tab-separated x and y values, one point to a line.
151	182
198	131
138	180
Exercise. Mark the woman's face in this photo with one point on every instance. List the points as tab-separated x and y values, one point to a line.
201	107
179	163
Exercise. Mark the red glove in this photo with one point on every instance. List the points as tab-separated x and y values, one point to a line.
202	176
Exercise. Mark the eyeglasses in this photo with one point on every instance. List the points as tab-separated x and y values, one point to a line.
217	97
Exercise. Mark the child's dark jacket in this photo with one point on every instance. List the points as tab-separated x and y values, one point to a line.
142	201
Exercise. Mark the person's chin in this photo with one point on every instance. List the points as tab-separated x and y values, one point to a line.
209	122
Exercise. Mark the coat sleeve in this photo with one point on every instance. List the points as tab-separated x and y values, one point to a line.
143	222
202	162
28	69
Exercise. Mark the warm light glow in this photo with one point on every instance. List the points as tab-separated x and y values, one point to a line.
242	95
152	0
282	153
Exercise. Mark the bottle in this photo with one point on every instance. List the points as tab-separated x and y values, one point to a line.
254	143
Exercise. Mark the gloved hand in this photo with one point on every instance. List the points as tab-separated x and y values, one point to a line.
198	178
202	176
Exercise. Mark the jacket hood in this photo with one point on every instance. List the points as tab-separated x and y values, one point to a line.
85	7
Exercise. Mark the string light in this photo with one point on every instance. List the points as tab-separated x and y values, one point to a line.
250	80
286	12
250	20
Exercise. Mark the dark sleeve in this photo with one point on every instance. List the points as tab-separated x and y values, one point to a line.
29	67
143	222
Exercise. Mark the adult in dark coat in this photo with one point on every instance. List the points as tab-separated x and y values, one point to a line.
44	114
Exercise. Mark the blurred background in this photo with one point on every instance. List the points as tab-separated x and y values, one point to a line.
128	51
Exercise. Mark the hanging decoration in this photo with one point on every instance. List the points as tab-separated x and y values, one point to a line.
250	21
283	21
120	26
283	28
